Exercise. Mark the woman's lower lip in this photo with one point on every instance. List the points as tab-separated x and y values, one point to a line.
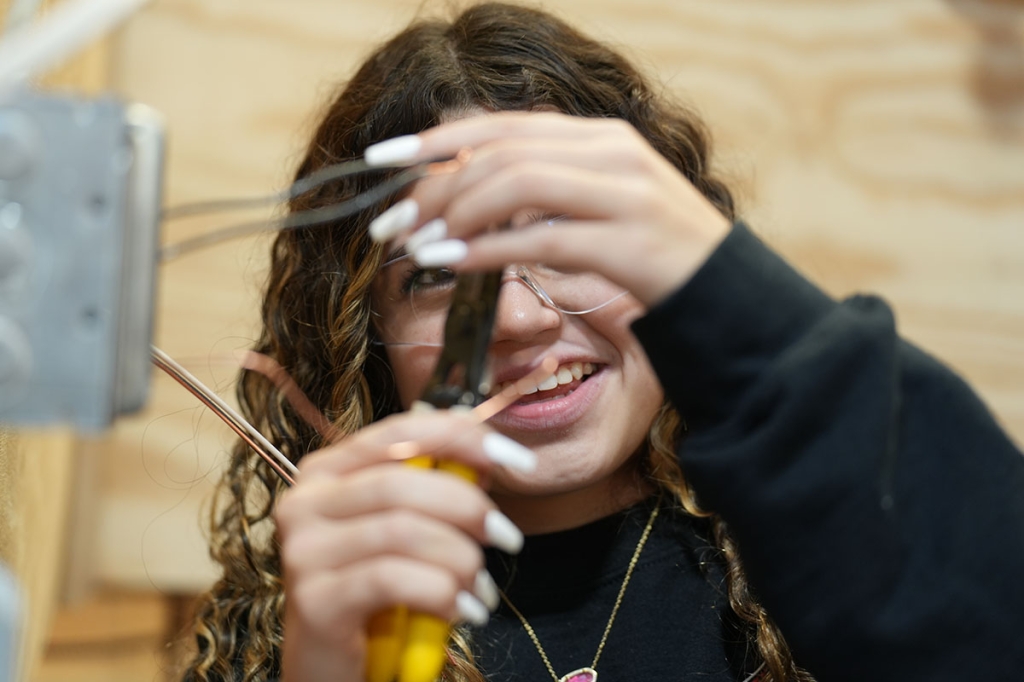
554	413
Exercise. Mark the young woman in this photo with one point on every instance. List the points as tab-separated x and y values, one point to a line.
876	507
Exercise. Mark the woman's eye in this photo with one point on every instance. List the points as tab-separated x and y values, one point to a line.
427	278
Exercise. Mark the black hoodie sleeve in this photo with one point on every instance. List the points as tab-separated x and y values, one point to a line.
878	507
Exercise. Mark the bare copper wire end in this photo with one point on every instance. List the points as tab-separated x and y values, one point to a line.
510	394
272	370
449	165
304	407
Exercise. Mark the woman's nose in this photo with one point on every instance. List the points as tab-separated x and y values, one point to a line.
521	315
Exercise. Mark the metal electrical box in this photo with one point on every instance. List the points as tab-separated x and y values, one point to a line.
80	194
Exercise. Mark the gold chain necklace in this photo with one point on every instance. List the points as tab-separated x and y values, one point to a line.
588	674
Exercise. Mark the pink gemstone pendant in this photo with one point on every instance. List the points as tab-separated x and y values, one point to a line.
581	675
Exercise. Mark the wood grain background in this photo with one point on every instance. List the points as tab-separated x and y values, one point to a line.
878	145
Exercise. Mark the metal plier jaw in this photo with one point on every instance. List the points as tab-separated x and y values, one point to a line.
461	378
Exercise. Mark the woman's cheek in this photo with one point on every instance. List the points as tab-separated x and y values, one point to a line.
412	367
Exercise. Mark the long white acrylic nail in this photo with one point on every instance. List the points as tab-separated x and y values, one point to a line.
394	151
486	590
503	450
433	231
395	220
440	254
471	609
422	406
502	533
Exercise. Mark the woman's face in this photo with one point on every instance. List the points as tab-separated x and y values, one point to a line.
584	431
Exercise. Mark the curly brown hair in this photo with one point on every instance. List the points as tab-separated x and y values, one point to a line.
316	309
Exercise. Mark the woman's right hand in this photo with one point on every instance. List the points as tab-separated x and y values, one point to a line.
361	534
623	203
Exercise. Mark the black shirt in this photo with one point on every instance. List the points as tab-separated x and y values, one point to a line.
673	622
877	505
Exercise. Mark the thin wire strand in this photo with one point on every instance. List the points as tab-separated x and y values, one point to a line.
753	676
298	188
298	219
246	431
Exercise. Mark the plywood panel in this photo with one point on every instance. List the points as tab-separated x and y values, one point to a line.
36	486
111	637
879	145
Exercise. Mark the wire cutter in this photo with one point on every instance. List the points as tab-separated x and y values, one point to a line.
410	647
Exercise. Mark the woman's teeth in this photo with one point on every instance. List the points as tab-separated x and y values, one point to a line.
565	374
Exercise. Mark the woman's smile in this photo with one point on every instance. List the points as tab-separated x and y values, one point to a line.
557	407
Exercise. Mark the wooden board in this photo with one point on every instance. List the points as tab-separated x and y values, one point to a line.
878	145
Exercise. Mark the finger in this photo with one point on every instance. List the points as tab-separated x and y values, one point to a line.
327	546
338	601
611	156
442	434
477	131
590	245
608	248
582	193
398	438
482	133
447	140
572	245
430	493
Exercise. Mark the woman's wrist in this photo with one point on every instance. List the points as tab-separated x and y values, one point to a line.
670	265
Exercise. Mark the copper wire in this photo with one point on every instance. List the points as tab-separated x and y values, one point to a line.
269	367
246	431
305	408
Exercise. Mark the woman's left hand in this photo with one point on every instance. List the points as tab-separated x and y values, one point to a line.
632	217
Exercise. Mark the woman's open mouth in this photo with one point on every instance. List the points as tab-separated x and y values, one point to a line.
564	381
555	402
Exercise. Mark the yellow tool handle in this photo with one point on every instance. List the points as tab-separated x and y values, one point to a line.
385	642
410	646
